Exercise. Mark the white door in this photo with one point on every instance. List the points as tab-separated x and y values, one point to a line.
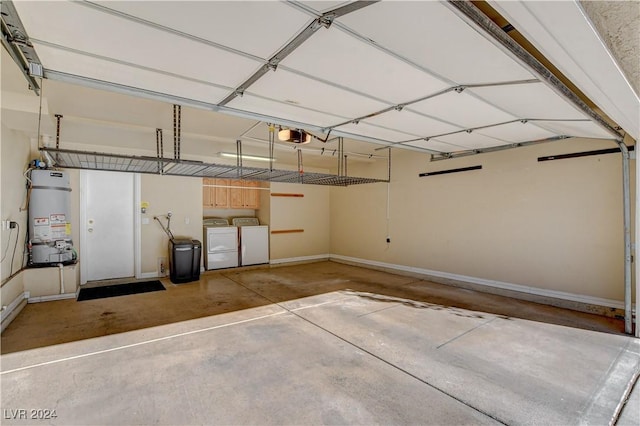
107	225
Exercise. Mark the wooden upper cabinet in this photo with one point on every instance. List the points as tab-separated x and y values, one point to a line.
208	193
235	195
251	196
223	195
245	197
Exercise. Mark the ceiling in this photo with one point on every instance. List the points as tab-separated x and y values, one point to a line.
410	75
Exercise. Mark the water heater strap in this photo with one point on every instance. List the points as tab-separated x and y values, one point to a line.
57	188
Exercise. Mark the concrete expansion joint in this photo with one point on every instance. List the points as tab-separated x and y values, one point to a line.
364	350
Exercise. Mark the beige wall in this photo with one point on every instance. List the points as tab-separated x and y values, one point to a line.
553	225
42	282
264	212
180	195
311	213
14	155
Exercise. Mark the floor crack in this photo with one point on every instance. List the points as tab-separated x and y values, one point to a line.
466	332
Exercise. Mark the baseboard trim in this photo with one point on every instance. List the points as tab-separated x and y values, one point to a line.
53	297
301	259
13	309
571	300
146	275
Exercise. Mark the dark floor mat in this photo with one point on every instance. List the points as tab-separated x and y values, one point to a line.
119	290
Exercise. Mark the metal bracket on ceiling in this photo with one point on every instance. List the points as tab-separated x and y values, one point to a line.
36	70
323	21
326	20
16	42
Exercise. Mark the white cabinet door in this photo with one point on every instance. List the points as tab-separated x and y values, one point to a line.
254	245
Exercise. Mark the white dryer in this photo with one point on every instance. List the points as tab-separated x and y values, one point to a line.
254	240
220	244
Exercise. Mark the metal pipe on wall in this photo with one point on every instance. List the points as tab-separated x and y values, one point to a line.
636	248
626	196
61	274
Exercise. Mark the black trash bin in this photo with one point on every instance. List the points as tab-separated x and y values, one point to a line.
197	252
184	260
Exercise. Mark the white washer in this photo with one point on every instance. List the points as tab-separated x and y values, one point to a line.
220	244
254	241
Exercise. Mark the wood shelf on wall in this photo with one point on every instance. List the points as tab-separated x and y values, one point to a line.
282	194
287	231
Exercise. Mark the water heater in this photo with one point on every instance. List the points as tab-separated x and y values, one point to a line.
49	218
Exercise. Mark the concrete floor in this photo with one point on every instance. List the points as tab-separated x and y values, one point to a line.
317	343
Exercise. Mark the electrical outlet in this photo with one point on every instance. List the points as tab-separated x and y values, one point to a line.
162	266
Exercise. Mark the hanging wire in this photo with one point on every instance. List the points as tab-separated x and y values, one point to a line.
27	198
167	229
40	113
389	166
15	246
